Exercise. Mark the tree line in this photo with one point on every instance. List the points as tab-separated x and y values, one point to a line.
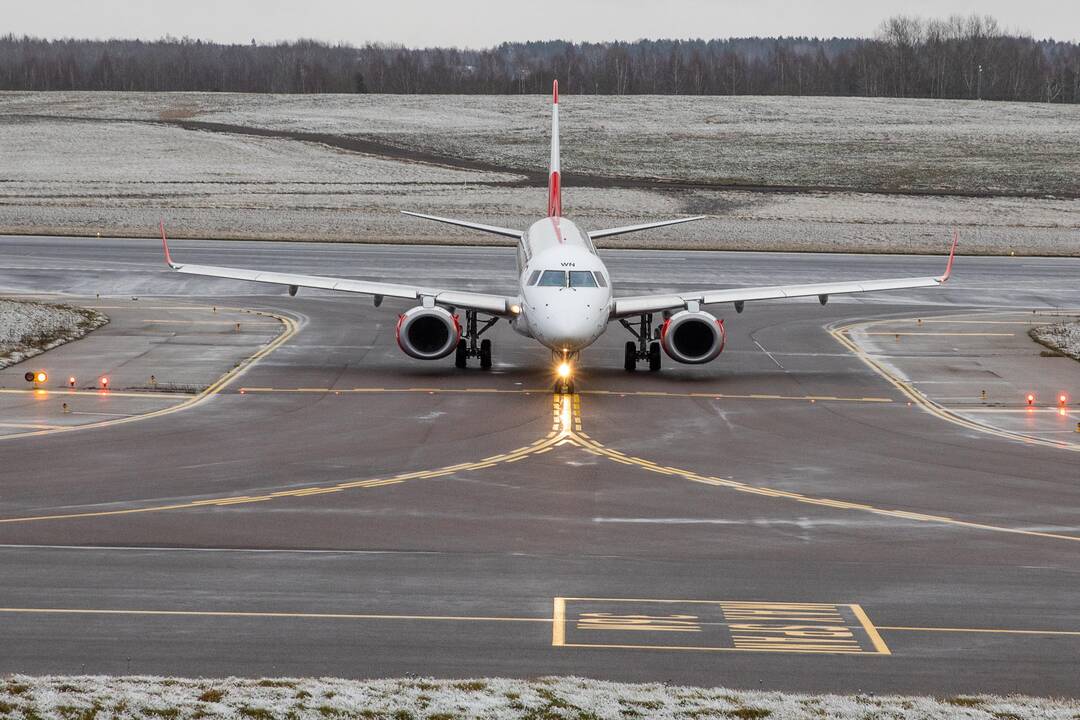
958	57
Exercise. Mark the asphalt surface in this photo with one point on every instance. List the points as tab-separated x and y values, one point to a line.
340	509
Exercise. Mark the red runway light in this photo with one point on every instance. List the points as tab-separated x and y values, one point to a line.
105	383
1030	399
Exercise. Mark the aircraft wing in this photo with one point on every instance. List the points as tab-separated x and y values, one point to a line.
657	303
636	228
493	304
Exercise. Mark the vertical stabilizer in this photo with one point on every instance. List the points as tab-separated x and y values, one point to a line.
554	179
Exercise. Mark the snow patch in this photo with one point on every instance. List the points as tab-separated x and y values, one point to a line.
29	328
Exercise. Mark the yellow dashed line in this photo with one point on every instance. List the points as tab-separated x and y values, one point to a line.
842	335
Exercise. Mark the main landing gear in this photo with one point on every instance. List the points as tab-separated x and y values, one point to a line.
643	349
468	346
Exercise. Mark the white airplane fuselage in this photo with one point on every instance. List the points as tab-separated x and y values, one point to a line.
565	289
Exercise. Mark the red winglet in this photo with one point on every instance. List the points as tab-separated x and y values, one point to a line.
952	255
165	244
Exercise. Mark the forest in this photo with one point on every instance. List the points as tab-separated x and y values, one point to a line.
968	57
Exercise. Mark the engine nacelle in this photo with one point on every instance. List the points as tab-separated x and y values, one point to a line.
692	337
428	333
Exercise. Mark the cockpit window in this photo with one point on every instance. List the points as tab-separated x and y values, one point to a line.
582	278
553	278
534	277
600	278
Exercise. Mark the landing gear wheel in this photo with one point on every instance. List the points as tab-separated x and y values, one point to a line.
630	357
459	355
654	357
564	387
485	354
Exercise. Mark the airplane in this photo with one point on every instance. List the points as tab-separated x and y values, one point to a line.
565	299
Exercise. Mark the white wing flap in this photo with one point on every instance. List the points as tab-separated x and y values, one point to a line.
645	226
494	304
658	303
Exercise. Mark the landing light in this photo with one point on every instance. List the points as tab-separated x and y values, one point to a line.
564	370
515	309
1030	399
104	382
41	376
1063	399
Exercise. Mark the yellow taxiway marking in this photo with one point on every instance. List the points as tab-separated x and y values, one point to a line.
290	329
616	393
972	322
566	414
209	322
64	392
992	631
841	335
715	626
945	334
290	615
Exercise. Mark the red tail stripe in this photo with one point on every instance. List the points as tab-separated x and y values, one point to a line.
554	196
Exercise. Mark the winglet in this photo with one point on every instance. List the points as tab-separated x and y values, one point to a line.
165	245
952	255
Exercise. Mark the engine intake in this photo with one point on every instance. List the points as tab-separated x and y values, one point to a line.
428	333
692	337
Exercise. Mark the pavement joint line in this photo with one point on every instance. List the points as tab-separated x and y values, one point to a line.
842	334
291	327
944	334
1002	631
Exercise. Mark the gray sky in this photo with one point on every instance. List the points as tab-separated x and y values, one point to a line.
481	23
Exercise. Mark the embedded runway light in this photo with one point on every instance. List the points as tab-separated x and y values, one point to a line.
564	370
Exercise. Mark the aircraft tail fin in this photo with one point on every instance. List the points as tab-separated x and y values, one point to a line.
554	173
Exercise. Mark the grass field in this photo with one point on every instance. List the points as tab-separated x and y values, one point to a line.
772	173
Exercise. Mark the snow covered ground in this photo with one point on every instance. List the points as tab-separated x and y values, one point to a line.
62	698
1063	337
30	328
113	170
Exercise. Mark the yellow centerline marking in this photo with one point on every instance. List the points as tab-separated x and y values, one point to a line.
215	388
1000	631
530	391
945	334
291	615
842	335
64	392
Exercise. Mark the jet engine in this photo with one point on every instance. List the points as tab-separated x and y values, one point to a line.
692	337
428	333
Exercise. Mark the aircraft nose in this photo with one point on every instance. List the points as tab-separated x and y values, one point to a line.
573	331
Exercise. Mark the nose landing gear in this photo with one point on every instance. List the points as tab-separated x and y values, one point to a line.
564	373
643	349
468	346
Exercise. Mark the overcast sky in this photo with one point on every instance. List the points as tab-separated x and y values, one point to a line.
481	23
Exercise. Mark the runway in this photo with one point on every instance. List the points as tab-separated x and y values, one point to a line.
783	518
